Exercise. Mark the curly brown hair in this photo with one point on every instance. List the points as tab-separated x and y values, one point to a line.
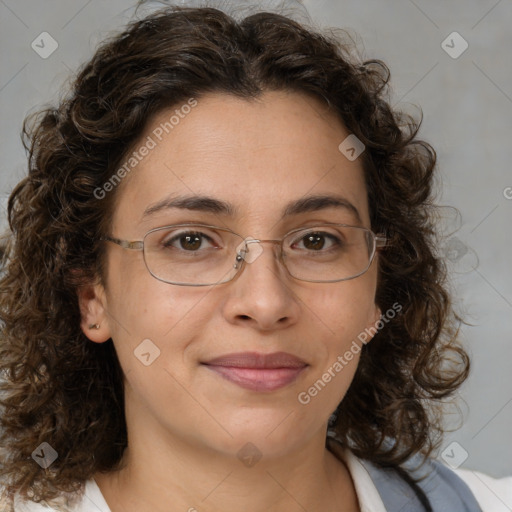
59	387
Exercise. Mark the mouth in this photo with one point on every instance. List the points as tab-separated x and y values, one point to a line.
258	372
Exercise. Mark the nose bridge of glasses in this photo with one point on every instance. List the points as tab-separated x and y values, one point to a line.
245	252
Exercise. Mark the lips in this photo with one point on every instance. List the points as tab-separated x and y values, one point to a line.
258	372
256	360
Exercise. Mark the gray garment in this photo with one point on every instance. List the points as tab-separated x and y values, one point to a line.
444	490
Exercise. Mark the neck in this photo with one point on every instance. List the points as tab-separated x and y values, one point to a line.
168	468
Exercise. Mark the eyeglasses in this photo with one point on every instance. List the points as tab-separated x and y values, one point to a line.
205	255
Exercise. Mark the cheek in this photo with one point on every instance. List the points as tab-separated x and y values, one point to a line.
341	314
346	309
142	308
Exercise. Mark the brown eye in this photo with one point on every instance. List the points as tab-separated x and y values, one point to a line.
316	241
188	241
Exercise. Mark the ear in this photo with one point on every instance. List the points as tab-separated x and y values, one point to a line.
93	309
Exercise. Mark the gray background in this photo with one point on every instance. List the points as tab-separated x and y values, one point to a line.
467	106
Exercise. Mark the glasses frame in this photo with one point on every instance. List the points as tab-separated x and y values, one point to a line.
379	241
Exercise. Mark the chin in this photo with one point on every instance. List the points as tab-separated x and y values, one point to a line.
274	433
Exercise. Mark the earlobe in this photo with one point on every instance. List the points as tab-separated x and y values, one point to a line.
94	321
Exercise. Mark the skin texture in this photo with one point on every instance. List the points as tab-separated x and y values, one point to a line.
185	423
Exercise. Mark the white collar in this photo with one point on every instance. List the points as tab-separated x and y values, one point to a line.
367	494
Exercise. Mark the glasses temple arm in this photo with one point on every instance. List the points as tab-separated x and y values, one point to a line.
125	244
380	241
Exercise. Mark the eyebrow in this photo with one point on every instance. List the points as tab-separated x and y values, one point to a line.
212	205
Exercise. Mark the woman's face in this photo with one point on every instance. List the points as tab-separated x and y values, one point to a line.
259	157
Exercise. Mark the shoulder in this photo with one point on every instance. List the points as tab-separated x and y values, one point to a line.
493	494
419	483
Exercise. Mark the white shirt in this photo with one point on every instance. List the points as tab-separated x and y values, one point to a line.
493	495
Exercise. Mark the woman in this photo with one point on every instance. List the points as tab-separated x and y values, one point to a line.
221	291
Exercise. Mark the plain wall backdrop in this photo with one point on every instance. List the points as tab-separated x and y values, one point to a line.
450	58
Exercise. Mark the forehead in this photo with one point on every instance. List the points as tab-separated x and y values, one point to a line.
257	155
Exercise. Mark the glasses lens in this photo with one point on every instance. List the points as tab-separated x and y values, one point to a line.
328	253
207	255
191	254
